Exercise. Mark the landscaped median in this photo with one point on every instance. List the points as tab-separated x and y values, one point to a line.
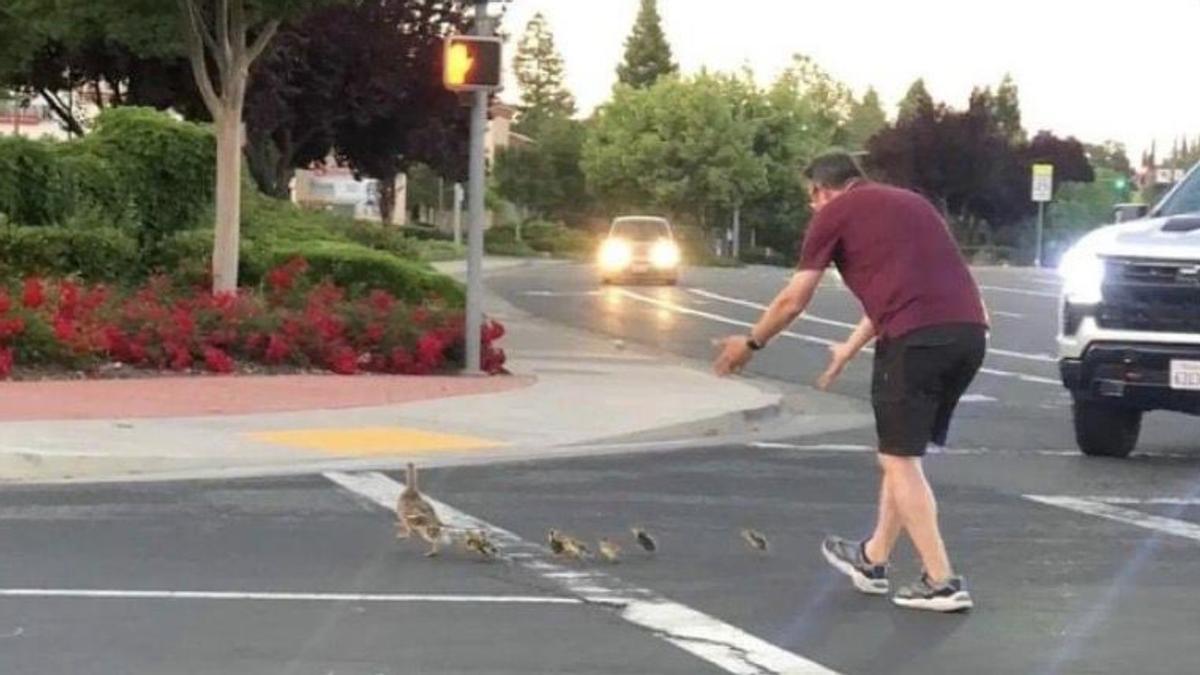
297	320
105	259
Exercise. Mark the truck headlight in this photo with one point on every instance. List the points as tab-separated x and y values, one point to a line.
615	254
1082	273
665	254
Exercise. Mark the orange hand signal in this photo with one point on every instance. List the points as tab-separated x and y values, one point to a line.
459	64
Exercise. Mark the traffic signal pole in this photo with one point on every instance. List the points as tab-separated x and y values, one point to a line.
475	213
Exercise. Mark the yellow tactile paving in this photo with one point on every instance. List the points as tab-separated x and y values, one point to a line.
369	441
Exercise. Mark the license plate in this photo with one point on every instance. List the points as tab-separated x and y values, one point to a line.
1185	375
641	267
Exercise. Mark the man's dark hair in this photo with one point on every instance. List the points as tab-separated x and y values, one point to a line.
833	170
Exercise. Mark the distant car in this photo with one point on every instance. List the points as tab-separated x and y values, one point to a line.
640	248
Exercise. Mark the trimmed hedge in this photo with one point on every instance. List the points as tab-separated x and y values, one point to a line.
31	183
360	269
164	167
98	254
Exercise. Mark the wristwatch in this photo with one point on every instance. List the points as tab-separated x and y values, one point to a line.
753	344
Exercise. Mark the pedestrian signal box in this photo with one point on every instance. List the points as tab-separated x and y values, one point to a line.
472	63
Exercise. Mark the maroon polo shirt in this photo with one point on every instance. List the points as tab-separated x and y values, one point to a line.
895	252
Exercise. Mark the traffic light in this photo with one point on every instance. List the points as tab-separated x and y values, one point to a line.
472	63
1120	183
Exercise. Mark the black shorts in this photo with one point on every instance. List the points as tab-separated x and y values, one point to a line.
917	381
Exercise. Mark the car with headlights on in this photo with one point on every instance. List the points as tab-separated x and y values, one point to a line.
640	248
1129	329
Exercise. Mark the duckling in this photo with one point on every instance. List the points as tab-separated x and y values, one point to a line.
575	549
416	514
478	541
644	540
756	540
609	550
555	539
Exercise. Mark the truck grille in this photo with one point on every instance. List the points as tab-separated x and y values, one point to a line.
1150	295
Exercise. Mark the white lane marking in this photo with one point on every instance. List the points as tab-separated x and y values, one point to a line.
116	594
848	448
858	449
977	398
832	447
561	294
1035	379
1146	501
754	305
725	646
1007	315
663	304
1019	291
1040	358
1173	526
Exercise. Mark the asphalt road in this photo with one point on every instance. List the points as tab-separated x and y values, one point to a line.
1077	565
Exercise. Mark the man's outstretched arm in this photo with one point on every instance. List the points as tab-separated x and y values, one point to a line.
787	306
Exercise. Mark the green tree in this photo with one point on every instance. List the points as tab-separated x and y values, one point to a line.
1109	155
539	69
916	103
1006	110
1079	207
866	119
647	53
545	177
681	145
803	114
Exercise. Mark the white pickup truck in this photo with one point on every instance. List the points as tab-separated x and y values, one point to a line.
1129	329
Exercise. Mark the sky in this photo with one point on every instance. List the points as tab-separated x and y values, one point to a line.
1094	69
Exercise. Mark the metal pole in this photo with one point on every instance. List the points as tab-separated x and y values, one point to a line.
475	205
458	204
1037	256
441	215
737	232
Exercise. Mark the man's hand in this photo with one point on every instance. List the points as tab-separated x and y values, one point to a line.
839	356
734	356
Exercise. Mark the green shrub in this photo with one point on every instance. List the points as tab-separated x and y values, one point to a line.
499	235
94	191
429	232
387	238
268	219
510	249
98	254
185	256
439	251
31	183
558	240
765	256
360	269
164	167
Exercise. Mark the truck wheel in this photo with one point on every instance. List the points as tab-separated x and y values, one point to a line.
1106	430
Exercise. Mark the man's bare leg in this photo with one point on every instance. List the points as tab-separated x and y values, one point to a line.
917	509
887	529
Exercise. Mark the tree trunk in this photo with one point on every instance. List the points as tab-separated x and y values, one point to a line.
229	207
387	198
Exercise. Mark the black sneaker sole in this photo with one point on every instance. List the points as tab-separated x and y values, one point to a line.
959	602
861	581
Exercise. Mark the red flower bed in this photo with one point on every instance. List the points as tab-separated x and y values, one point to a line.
293	321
